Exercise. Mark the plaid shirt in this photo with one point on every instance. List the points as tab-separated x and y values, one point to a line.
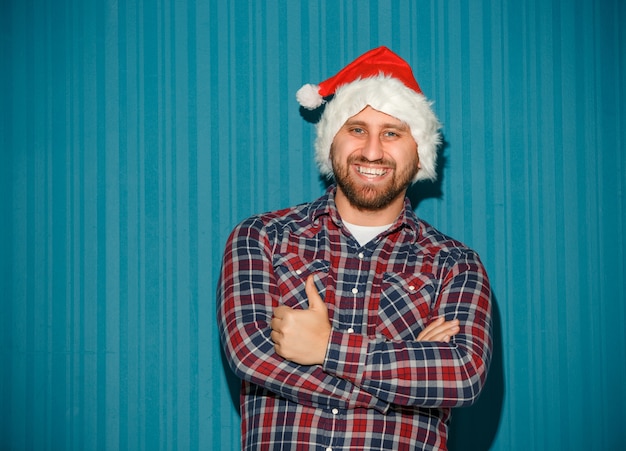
378	388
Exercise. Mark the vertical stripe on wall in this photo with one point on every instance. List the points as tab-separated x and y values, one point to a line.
134	136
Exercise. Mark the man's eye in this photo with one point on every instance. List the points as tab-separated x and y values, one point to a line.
391	134
358	130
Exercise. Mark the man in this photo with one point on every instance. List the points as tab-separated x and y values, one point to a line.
353	324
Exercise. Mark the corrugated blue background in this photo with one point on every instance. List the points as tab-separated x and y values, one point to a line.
134	135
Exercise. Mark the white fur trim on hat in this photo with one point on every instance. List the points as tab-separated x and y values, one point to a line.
309	97
390	96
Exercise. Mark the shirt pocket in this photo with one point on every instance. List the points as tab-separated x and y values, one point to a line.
405	306
292	271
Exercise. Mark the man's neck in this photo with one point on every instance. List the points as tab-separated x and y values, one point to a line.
361	217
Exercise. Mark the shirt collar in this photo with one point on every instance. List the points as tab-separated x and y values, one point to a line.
325	206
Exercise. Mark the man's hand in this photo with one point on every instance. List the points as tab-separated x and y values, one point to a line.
440	330
302	335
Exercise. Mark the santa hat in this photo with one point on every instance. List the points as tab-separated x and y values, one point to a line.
384	81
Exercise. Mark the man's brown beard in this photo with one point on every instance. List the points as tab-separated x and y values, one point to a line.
368	197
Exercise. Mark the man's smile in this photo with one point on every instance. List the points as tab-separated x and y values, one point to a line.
371	172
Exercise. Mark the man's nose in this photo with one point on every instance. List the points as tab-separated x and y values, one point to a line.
372	149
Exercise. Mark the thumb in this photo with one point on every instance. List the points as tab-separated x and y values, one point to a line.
315	300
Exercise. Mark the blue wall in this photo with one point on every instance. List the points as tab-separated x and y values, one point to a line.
134	135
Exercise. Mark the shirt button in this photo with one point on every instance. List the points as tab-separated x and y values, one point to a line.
329	449
361	255
298	271
355	290
351	330
335	411
412	288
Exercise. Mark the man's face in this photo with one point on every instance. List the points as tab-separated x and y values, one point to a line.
374	159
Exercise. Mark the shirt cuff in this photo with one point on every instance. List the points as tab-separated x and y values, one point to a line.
346	357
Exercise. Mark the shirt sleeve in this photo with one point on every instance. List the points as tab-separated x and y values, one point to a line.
247	295
427	374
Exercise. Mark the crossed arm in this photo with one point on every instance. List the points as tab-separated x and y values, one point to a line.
302	336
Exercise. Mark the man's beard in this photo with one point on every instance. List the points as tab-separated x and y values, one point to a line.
370	197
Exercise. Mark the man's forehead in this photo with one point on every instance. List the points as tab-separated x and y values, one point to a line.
371	116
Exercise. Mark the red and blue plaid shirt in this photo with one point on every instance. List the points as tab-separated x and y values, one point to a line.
378	388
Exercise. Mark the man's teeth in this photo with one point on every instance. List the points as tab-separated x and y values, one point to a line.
371	171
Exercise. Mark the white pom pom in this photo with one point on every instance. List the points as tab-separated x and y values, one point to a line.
309	97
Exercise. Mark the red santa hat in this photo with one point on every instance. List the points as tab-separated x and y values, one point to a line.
384	81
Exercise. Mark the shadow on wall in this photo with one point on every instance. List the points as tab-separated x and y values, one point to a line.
475	428
234	383
427	189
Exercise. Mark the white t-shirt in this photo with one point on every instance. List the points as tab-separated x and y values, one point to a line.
365	234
